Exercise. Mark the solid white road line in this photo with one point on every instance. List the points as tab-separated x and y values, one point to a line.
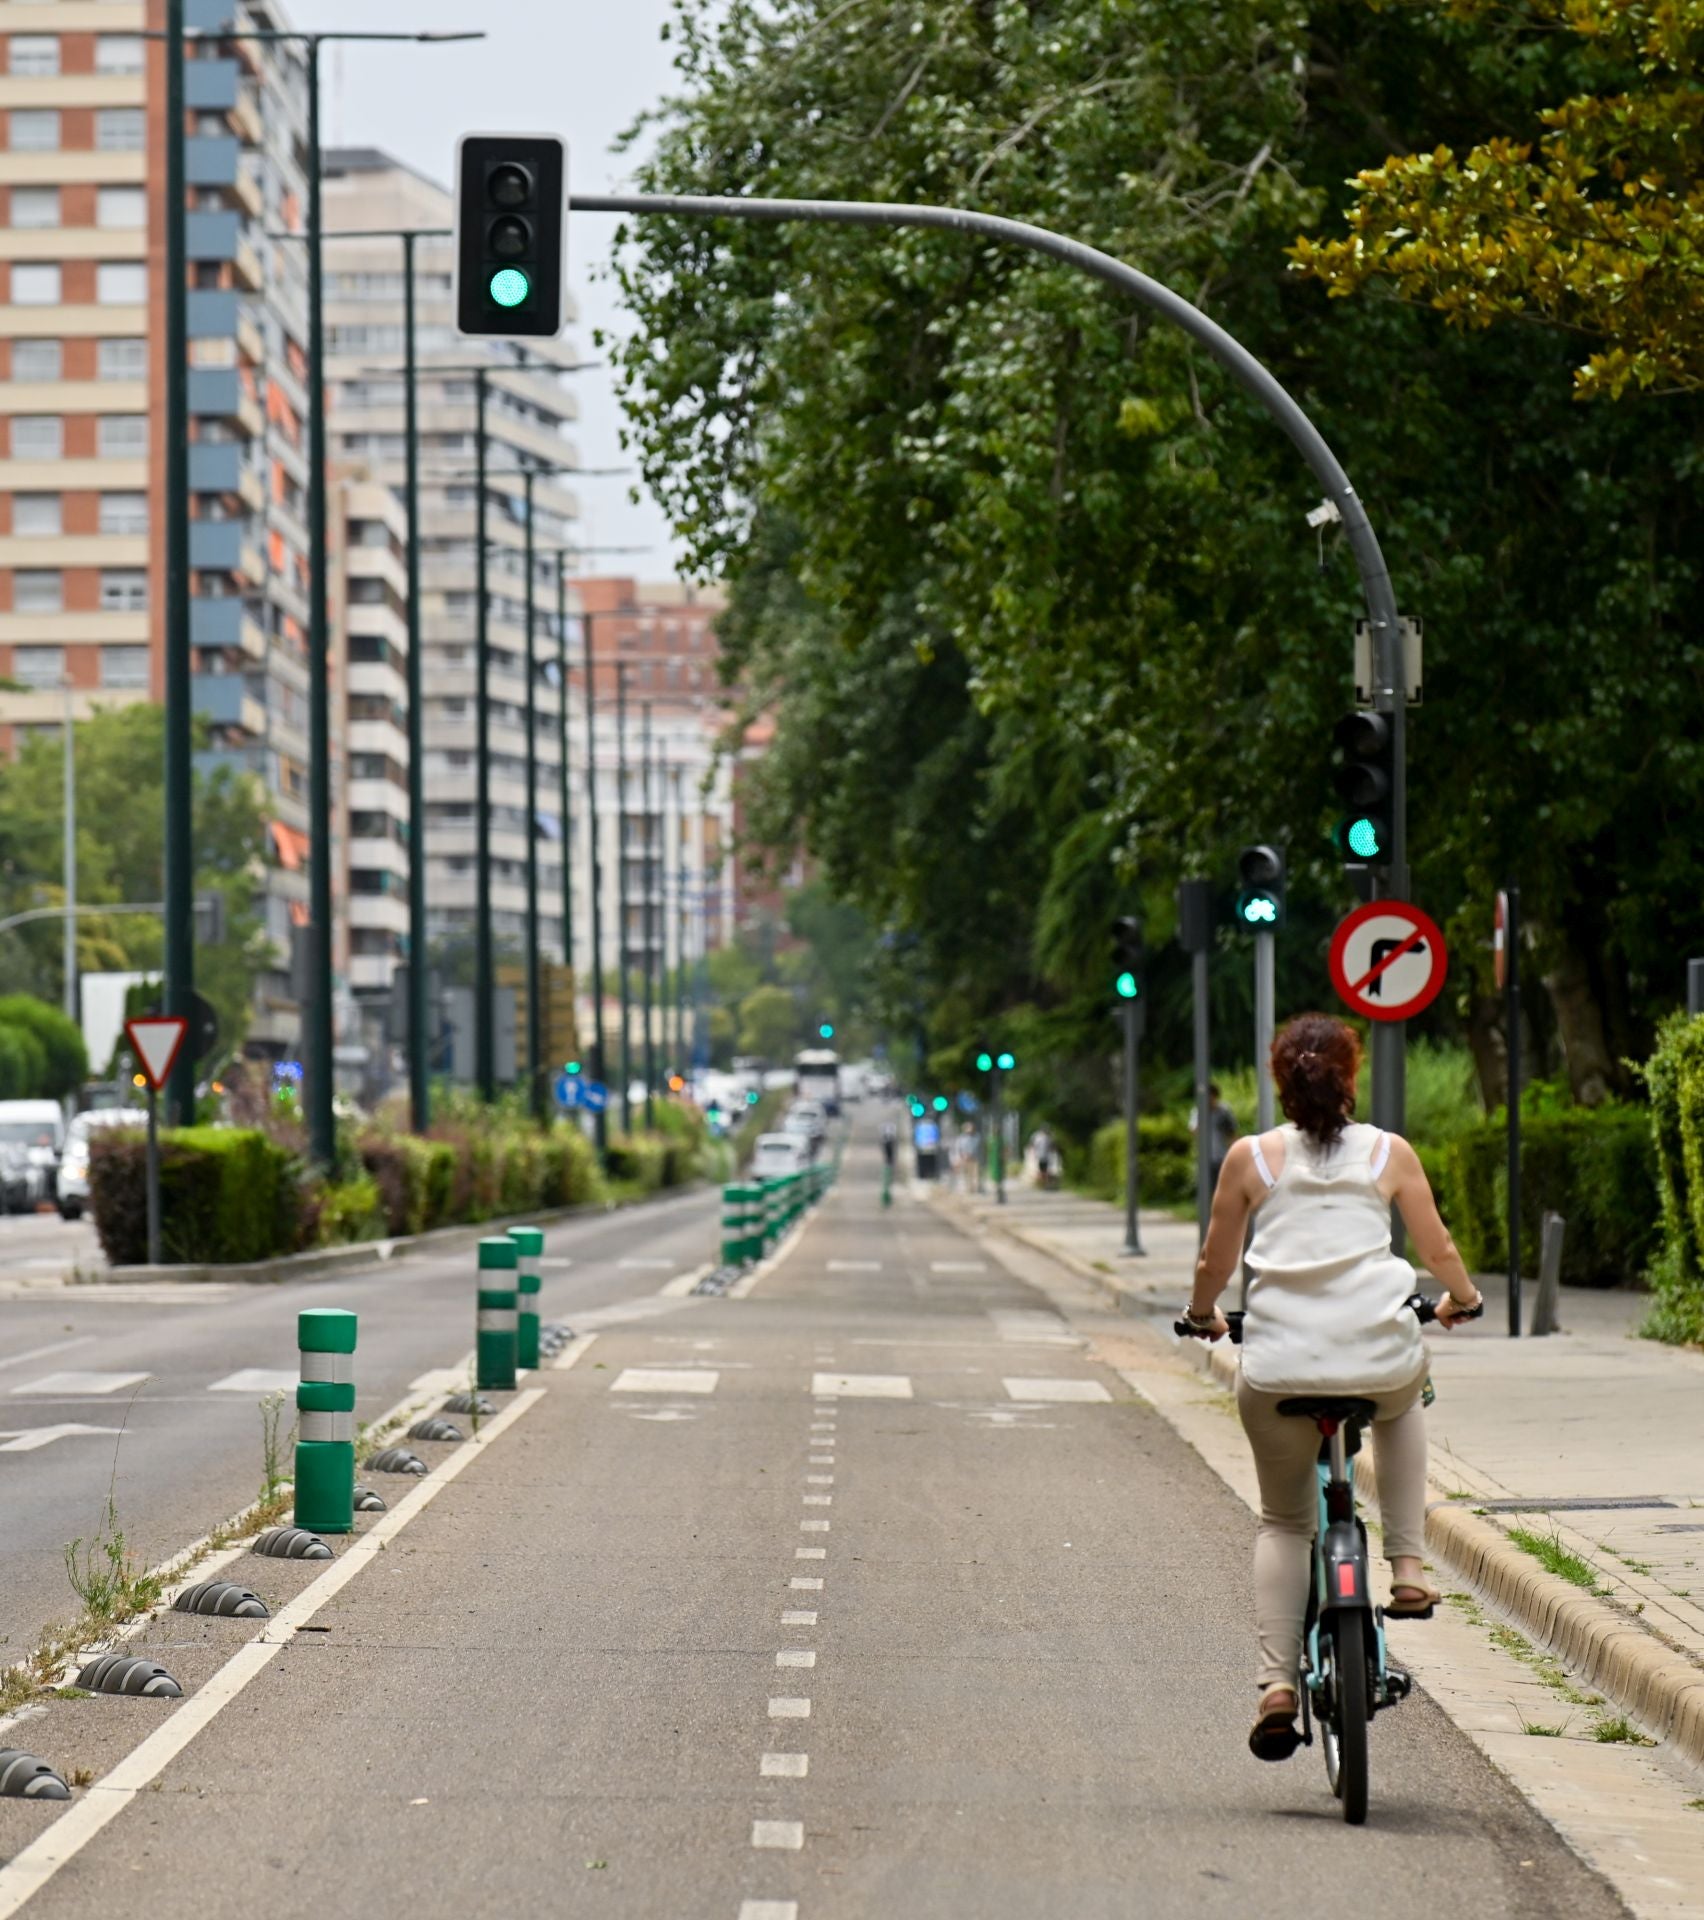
795	1657
649	1265
30	1870
572	1352
787	1835
784	1766
786	1709
802	1583
41	1353
33	1439
663	1380
1056	1390
864	1386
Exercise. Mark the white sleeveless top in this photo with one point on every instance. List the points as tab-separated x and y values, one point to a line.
1326	1293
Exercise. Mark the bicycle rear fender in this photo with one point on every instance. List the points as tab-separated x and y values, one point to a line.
1344	1560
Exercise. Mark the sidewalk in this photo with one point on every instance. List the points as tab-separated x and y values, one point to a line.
1587	1446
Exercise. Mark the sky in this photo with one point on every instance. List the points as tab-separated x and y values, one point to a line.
581	68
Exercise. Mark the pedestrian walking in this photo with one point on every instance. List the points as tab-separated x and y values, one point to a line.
1327	1314
1222	1129
1042	1151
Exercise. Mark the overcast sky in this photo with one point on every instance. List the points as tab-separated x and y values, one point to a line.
582	68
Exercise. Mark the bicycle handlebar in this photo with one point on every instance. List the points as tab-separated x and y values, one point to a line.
1424	1310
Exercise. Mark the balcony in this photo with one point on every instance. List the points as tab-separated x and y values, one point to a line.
212	314
209	86
210	160
225	701
216	545
207	14
213	236
215	466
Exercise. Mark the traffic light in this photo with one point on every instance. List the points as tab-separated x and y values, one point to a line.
1260	889
940	1103
826	1030
570	1067
511	234
1005	1061
752	1096
1366	778
985	1062
1128	954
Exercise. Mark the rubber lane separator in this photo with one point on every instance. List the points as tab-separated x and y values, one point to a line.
29	1871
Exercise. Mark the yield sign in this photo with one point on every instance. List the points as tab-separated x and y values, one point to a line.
156	1039
1388	960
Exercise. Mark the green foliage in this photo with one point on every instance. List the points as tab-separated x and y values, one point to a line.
1165	1171
227	1195
65	1060
770	1024
1674	1077
351	1210
23	1063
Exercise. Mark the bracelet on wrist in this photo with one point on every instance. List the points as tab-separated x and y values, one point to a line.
1199	1319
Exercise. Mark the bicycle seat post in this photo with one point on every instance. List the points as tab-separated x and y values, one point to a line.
1337	1438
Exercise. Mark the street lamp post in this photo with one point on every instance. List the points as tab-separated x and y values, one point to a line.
646	750
601	1117
621	888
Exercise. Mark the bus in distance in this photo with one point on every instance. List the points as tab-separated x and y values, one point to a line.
818	1070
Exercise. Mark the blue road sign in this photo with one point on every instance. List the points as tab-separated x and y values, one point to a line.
569	1089
594	1095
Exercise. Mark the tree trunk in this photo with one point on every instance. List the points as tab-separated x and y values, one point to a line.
1489	1046
1579	1026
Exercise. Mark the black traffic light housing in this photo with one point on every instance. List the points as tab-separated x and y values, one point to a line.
1129	952
1366	779
511	234
1260	889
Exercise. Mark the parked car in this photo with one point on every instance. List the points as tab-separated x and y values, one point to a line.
74	1162
779	1153
38	1127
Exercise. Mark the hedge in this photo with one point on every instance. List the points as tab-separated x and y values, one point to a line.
59	1062
1674	1076
1165	1171
227	1195
1596	1166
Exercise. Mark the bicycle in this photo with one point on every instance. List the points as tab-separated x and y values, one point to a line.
1346	1676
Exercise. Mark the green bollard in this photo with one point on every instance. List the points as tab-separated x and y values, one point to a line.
494	1343
325	1421
733	1228
529	1250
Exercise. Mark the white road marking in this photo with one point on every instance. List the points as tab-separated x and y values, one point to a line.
255	1380
443	1379
854	1266
784	1766
179	1293
864	1386
788	1835
41	1353
33	1439
1029	1327
649	1306
798	1617
574	1351
814	1526
957	1266
1006	1417
822	1459
650	1266
818	1500
769	1910
663	1380
801	1583
556	1260
784	1709
810	1553
28	1871
819	1479
65	1385
1048	1391
666	1414
683	1283
795	1657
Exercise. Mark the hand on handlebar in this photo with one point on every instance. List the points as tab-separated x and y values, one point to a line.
1451	1312
1217	1331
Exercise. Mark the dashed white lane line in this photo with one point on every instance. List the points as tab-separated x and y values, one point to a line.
66	1385
819	1499
41	1353
819	1479
957	1266
799	1617
664	1380
810	1553
787	1835
1056	1390
784	1766
789	1709
255	1380
556	1260
854	1266
821	1459
648	1265
769	1910
1033	1327
864	1386
815	1526
801	1583
795	1657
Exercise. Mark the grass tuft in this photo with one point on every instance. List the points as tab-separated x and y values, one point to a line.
1620	1732
1547	1549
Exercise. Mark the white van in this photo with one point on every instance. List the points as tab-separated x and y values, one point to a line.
36	1128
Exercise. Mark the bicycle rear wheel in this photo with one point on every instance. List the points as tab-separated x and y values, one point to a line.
1344	1732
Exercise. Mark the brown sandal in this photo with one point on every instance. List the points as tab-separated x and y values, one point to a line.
1420	1604
1273	1735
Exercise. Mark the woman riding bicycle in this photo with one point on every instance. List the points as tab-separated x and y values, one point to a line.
1326	1315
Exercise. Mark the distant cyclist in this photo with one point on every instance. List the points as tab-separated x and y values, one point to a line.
1326	1315
890	1144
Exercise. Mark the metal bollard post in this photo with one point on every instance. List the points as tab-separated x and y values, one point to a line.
1544	1318
325	1421
494	1342
529	1250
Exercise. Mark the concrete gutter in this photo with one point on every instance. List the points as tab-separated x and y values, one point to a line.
1648	1680
329	1263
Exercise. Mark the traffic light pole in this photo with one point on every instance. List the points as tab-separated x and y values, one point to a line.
621	890
419	1037
645	918
1132	1015
562	718
595	873
1265	1020
1203	1100
484	957
536	1094
1512	1022
999	1155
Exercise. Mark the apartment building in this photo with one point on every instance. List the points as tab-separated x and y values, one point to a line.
82	369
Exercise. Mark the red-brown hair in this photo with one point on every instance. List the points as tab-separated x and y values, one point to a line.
1315	1060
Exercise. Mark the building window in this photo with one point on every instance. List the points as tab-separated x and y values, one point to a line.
36	514
34	53
35	285
120	283
123	207
122	360
35	206
121	436
37	590
36	360
118	130
124	513
124	666
118	53
38	436
34	130
38	666
124	590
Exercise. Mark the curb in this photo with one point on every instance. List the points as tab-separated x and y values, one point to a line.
1661	1689
328	1263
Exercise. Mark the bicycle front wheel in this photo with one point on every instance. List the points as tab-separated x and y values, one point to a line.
1345	1734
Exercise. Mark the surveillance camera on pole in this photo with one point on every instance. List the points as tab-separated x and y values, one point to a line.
1260	908
511	235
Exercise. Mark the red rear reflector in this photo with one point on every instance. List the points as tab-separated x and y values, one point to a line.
1346	1581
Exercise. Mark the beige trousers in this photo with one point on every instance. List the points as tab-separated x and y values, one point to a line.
1285	1450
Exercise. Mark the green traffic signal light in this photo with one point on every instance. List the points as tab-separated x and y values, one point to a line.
1364	837
985	1063
1257	910
917	1109
571	1066
509	286
1125	986
940	1103
1006	1062
826	1030
751	1096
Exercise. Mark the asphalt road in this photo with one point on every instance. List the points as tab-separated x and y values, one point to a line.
40	1247
870	1594
166	1381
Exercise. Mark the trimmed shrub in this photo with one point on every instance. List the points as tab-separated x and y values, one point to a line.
1674	1075
227	1195
64	1059
583	1181
1165	1150
23	1064
350	1211
637	1160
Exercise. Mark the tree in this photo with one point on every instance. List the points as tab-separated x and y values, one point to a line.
64	1059
1594	225
769	1024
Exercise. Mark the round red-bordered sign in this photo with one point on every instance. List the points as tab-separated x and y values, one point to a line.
1388	960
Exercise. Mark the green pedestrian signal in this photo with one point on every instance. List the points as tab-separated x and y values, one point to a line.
1260	879
985	1063
1125	986
917	1109
1006	1062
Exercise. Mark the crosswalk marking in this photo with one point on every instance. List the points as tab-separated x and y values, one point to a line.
67	1386
1056	1390
664	1380
31	1439
854	1266
957	1266
255	1380
863	1386
1031	1327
